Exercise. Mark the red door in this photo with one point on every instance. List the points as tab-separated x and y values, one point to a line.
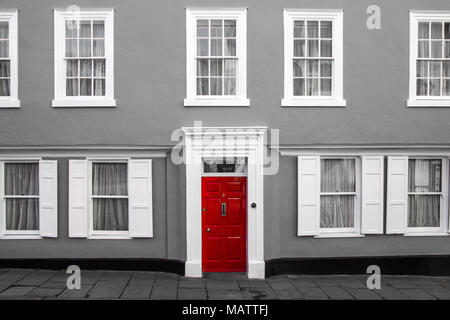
224	224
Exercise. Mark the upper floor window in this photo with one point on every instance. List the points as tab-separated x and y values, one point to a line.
8	60
216	57
313	58
429	59
84	58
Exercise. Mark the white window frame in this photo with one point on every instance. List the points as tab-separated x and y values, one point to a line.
356	229
192	15
12	101
16	234
106	234
443	214
61	99
336	99
414	18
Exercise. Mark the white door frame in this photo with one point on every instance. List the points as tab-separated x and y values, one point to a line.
225	142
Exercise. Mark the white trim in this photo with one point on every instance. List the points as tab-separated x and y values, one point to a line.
252	148
12	101
240	99
60	98
336	100
422	101
340	235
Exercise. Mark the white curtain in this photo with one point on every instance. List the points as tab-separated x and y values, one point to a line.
22	179
337	175
424	176
110	179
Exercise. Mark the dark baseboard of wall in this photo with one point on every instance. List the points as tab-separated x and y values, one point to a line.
398	265
163	265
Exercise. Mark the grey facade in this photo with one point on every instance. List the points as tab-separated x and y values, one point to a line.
150	84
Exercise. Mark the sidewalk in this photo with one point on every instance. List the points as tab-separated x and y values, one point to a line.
48	284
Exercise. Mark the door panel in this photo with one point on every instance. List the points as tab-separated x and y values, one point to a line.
224	224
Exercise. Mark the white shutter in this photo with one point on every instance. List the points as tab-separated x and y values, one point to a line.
140	197
78	193
2	200
372	194
308	195
48	198
397	195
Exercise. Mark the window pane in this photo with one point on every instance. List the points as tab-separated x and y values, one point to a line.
71	29
312	68
98	29
230	28
202	67
313	29
436	30
4	48
325	48
447	49
99	68
216	86
85	29
110	179
424	30
299	48
326	68
435	69
202	47
216	67
325	29
424	175
422	87
299	29
337	175
313	48
85	87
423	211
4	30
4	69
299	67
72	87
71	48
72	68
225	165
85	48
85	68
99	87
422	68
202	86
325	87
202	28
229	86
99	48
110	214
423	49
312	87
230	67
435	87
216	28
447	30
216	47
5	88
21	179
337	211
22	214
299	87
230	47
436	49
446	87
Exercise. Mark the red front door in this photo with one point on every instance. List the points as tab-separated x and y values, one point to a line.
224	224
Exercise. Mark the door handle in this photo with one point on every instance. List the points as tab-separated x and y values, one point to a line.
208	229
224	209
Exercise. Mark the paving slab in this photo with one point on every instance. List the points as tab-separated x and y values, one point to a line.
107	289
280	284
312	293
17	291
45	292
244	284
60	276
36	278
161	292
337	293
437	291
259	294
417	294
391	293
136	292
91	276
364	294
217	294
226	275
76	294
212	284
191	283
353	283
116	276
282	294
53	285
304	283
143	278
191	294
295	294
13	275
4	286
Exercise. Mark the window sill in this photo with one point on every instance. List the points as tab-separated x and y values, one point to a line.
426	234
20	237
70	103
340	235
10	103
438	103
240	102
292	102
109	237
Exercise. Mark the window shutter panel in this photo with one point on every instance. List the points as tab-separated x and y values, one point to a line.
48	198
308	195
372	194
140	206
397	195
2	193
78	192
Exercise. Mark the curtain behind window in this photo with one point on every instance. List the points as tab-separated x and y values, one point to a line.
337	175
22	179
110	179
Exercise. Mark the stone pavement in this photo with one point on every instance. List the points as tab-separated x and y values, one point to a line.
49	284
